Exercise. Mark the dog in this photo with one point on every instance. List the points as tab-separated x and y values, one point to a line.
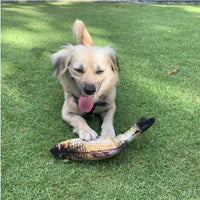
88	75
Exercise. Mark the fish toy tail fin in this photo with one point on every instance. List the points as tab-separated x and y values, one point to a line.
143	124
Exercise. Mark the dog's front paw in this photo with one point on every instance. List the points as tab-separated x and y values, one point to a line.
108	132
88	135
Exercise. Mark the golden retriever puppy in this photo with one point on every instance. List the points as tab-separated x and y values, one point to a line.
88	74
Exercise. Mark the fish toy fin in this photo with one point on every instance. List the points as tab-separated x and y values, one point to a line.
144	124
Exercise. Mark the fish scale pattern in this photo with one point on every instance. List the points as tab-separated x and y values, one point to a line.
103	147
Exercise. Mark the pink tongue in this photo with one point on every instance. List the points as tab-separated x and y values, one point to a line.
85	104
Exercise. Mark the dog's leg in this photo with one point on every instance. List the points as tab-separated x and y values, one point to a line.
107	128
79	124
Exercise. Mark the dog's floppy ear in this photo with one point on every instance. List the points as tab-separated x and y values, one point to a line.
61	60
113	59
114	62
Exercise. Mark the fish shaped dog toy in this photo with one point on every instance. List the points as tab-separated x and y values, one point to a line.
103	147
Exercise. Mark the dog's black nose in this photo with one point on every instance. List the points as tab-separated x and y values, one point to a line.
89	89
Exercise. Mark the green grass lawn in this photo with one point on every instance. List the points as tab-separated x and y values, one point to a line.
150	40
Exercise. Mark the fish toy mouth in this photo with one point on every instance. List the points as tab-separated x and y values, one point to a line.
55	150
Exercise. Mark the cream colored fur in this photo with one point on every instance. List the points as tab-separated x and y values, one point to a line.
99	66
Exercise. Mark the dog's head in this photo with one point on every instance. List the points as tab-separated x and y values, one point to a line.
92	69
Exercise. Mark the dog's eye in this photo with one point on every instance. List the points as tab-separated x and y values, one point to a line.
99	72
80	71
